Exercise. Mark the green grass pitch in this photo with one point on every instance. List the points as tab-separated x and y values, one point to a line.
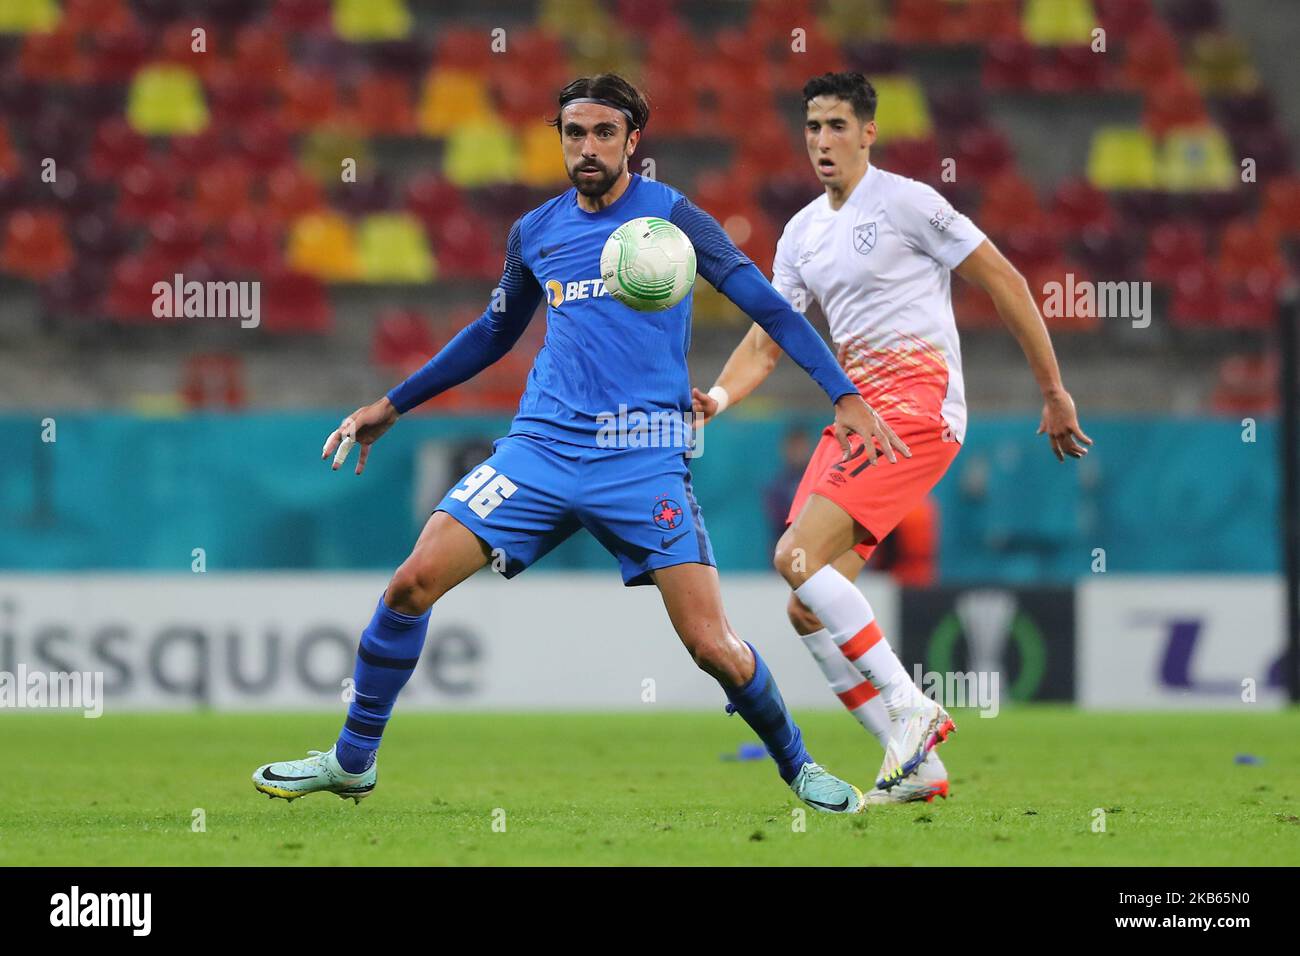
647	789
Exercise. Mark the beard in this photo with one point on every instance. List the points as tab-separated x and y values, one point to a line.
594	187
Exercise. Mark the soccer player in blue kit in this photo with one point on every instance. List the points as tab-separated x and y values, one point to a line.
555	472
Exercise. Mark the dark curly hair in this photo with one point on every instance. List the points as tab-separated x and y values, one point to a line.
607	86
854	88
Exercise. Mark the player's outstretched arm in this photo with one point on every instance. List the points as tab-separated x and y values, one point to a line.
987	268
475	347
750	363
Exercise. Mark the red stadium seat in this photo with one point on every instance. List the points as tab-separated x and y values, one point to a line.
53	58
1197	295
264	143
1171	248
1246	249
221	191
464	48
429	198
250	245
1070	69
383	104
1122	18
1251	302
402	342
117	54
914	158
293	302
176	241
130	295
116	148
987	20
1051	284
261	53
234	94
1078	205
1246	385
213	380
1171	103
982	153
190	154
302	15
463	248
147	189
35	245
1150	56
1010	203
310	99
290	193
1281	212
1009	65
1112	253
920	21
95	16
177	46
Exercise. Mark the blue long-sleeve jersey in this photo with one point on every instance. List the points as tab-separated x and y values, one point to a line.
599	354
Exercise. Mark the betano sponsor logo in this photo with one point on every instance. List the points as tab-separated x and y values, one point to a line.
558	293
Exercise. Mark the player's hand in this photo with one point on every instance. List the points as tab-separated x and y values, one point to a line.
1061	425
363	427
704	405
854	415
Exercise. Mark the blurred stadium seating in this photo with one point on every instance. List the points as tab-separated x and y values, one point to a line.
220	154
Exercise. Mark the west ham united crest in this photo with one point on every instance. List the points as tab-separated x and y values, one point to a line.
864	237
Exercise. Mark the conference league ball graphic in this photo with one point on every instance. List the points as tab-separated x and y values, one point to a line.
648	264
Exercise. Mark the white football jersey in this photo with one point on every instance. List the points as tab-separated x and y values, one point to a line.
880	268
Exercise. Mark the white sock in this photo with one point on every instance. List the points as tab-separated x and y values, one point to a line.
854	692
844	610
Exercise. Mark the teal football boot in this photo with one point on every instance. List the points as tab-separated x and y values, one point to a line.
825	792
291	779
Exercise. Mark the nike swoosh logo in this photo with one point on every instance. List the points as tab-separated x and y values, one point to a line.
544	252
270	774
837	807
669	542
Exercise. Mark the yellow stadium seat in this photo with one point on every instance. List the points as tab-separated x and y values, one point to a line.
322	244
392	247
452	98
849	20
1196	158
901	112
1058	22
601	51
324	150
166	100
541	162
481	153
569	17
1220	65
1122	157
362	20
29	16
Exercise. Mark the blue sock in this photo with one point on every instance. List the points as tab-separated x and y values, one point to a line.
759	703
386	658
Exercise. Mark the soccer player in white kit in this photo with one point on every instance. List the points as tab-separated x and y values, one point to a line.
875	251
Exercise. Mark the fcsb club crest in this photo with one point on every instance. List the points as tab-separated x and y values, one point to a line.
864	237
666	513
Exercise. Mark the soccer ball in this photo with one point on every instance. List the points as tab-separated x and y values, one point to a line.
648	264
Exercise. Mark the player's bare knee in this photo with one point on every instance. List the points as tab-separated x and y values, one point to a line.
791	560
720	658
803	620
413	589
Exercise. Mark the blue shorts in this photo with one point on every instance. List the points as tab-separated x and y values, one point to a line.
532	493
